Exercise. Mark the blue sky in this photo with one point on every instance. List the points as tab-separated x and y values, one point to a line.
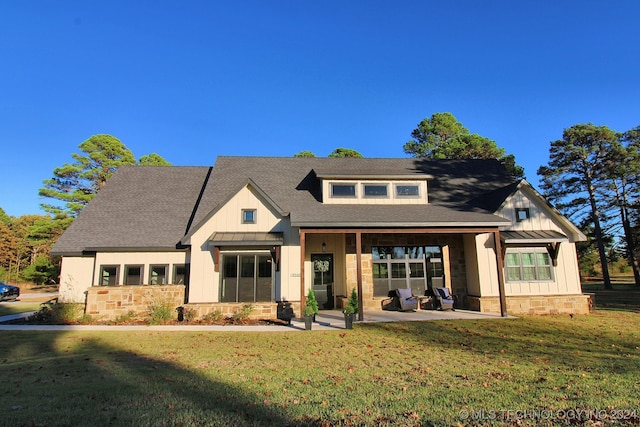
192	80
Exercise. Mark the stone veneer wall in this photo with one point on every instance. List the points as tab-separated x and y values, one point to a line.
261	310
109	302
534	304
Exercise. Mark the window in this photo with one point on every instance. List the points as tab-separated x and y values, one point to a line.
343	190
407	191
246	278
180	274
248	216
375	190
109	275
522	214
132	274
528	266
404	267
158	275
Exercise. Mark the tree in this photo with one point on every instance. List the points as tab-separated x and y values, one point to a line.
75	184
304	154
153	159
623	170
345	152
442	136
574	172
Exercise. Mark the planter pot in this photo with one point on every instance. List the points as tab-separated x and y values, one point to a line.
308	321
348	321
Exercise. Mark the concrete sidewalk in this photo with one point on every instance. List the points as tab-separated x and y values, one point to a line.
326	320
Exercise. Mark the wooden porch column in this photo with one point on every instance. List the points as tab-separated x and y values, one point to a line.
500	263
359	274
302	255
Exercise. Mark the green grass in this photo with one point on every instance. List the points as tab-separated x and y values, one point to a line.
413	373
7	308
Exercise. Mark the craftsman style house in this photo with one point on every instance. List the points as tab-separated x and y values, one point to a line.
263	230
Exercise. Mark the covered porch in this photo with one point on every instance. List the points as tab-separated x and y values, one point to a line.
375	261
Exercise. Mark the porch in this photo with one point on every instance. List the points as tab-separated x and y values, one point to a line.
334	319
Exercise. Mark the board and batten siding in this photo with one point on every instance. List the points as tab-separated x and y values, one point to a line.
566	275
76	274
204	281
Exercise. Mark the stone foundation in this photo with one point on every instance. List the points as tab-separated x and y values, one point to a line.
260	311
109	302
534	304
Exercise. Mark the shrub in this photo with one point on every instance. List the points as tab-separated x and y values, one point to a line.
243	314
190	314
66	313
213	317
126	317
160	311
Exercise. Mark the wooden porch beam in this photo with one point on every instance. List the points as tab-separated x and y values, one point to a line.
500	264
446	230
302	256
359	274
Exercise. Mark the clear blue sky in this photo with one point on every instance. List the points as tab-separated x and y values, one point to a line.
192	80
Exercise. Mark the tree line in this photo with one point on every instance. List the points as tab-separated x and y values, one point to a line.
591	177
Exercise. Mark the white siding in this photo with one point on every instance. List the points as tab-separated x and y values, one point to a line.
566	276
75	278
138	258
204	281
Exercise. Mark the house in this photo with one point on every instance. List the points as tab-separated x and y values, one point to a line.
263	230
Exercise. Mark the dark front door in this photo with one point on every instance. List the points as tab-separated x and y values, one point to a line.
323	279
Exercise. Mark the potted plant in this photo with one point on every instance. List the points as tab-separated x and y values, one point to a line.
351	309
310	309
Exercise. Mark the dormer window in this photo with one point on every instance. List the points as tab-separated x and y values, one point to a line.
405	190
343	190
375	190
522	214
248	216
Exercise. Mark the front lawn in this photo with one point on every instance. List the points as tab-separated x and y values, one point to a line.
416	373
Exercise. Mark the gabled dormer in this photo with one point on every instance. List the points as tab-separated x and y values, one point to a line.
375	188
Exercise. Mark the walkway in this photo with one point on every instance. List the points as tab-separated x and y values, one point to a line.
326	320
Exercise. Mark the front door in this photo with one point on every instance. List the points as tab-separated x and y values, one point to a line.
323	279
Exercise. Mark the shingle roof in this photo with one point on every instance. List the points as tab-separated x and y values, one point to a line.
152	207
139	207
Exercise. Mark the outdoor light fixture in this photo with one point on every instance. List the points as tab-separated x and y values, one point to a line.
324	247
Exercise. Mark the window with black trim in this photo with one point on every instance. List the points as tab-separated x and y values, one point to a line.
522	214
248	216
133	274
158	274
109	275
180	274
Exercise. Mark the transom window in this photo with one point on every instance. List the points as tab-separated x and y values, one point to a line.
528	266
403	190
343	190
375	190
